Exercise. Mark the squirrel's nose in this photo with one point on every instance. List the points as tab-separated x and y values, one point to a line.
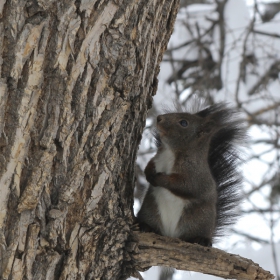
159	118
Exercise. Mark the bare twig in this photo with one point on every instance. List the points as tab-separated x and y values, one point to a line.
274	35
273	245
243	62
249	236
220	8
262	211
265	77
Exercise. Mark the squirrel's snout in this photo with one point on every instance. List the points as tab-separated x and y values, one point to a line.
159	118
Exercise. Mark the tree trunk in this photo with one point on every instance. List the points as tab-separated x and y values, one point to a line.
77	78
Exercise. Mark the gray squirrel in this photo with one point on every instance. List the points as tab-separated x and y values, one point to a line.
194	179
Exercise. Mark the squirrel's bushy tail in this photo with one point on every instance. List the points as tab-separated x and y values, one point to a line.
224	157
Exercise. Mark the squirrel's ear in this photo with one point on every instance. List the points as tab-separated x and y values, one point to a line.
207	127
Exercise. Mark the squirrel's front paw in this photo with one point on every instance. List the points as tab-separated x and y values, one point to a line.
156	179
150	172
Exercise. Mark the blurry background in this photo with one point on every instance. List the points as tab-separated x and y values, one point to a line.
229	50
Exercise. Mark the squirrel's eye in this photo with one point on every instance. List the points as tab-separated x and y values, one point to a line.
184	123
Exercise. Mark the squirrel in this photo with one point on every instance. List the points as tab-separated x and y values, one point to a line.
194	179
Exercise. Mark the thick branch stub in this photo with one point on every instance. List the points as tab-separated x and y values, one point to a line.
150	249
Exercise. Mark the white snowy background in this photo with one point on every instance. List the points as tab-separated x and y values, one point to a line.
263	161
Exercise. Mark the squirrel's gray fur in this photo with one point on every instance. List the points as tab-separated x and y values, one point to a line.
204	158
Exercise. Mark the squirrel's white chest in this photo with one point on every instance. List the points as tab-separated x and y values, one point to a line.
164	161
170	207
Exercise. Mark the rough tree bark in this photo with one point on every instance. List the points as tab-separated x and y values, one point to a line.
77	78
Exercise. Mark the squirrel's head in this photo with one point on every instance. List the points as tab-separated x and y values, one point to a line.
216	125
179	130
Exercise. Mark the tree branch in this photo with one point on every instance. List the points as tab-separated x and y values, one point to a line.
275	35
250	237
149	249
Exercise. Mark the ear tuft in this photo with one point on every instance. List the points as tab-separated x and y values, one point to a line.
207	127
